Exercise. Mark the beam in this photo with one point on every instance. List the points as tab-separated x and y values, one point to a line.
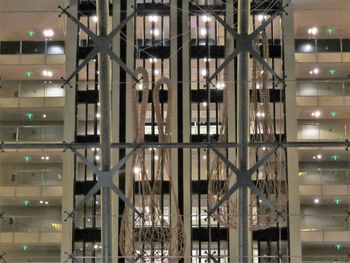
104	81
179	145
243	128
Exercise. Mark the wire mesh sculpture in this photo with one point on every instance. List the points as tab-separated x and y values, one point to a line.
271	177
220	177
157	236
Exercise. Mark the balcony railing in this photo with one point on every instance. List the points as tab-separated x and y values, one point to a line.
32	178
31	133
30	224
324	177
30	89
311	88
312	223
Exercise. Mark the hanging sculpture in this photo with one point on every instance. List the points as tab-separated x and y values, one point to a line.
271	177
220	177
157	236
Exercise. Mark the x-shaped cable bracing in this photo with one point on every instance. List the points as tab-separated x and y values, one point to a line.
105	180
102	45
244	179
245	44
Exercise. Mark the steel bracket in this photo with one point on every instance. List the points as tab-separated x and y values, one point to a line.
1	146
211	257
347	215
71	257
2	216
69	215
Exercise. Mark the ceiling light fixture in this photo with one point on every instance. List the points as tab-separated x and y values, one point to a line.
316	201
48	33
262	18
314	71
152	60
155	32
153	18
316	114
47	73
206	18
312	31
203	31
220	85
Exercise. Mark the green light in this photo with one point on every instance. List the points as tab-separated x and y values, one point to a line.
29	74
25	248
330	31
335	157
338	246
27	158
26	202
337	201
333	113
29	116
332	71
31	33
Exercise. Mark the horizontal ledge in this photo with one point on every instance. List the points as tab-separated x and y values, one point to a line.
145	145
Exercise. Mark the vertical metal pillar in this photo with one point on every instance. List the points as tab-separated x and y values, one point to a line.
295	244
243	126
104	81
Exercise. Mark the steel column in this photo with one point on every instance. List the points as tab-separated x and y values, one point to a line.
243	126
104	81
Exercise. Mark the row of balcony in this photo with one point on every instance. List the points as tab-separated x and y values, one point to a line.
306	131
30	224
52	177
58	47
32	178
35	89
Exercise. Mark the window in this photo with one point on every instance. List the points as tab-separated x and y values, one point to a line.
55	48
328	45
33	47
305	45
10	47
